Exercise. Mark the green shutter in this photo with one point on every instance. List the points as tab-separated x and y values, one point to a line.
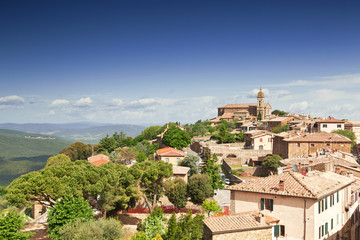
319	207
262	203
337	196
276	230
326	203
319	232
332	223
271	204
322	205
326	228
322	230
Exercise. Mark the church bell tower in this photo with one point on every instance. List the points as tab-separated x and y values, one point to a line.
260	105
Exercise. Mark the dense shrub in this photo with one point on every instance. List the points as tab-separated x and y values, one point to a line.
10	225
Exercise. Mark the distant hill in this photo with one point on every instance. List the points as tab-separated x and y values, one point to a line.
84	132
22	152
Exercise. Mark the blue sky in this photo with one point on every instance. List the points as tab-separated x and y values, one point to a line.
158	61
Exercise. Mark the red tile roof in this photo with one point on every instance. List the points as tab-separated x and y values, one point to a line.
239	105
234	223
170	152
314	184
99	159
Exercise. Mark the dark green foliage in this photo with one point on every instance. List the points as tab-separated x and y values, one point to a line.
107	144
10	225
240	137
102	229
176	138
151	132
259	117
280	128
199	188
176	192
2	191
223	135
185	228
191	161
349	134
212	170
279	113
68	209
112	182
271	163
78	151
150	177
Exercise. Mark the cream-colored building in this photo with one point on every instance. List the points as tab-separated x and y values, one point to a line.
170	155
258	140
317	205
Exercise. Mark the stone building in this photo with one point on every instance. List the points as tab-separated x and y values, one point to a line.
315	205
230	112
289	145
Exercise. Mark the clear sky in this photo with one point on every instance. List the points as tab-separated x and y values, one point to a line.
156	61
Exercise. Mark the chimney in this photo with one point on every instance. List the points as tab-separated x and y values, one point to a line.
260	218
281	185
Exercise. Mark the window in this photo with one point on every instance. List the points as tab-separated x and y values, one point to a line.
298	144
326	203
312	145
322	230
319	232
260	139
337	196
261	147
279	230
177	159
338	126
167	159
322	205
332	223
319	206
267	204
324	125
269	139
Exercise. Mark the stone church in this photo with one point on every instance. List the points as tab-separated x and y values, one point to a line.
244	111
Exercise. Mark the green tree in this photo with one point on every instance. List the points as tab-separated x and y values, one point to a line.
11	224
154	224
271	163
199	188
211	207
349	134
3	202
151	132
107	144
186	227
212	170
176	138
280	128
150	176
78	151
259	117
101	229
191	161
279	113
57	159
176	192
68	209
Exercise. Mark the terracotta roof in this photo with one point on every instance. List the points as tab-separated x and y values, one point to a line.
170	152
279	119
227	115
99	159
239	105
355	186
320	137
314	184
179	170
258	133
330	120
234	223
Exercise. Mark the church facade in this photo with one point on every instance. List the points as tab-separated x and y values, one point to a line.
259	110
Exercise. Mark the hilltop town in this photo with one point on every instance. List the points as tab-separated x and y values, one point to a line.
249	173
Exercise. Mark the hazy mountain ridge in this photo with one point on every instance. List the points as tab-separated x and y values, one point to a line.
84	132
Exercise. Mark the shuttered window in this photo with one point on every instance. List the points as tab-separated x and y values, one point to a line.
267	204
326	228
276	230
262	203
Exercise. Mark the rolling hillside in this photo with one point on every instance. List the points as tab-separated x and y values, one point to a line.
22	152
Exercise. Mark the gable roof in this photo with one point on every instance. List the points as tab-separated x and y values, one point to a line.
314	184
234	223
239	105
170	152
99	159
180	170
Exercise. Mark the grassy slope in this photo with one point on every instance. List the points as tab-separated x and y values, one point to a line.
20	155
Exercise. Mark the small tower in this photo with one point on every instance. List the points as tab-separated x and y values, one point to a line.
260	105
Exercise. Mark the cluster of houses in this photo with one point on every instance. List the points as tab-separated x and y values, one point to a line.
315	193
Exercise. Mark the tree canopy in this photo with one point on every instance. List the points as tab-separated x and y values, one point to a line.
191	161
11	224
212	170
199	188
279	113
78	151
57	159
176	192
349	134
176	138
271	163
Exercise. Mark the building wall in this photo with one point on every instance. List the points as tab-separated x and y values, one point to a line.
331	127
172	160
265	141
289	210
304	149
280	147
